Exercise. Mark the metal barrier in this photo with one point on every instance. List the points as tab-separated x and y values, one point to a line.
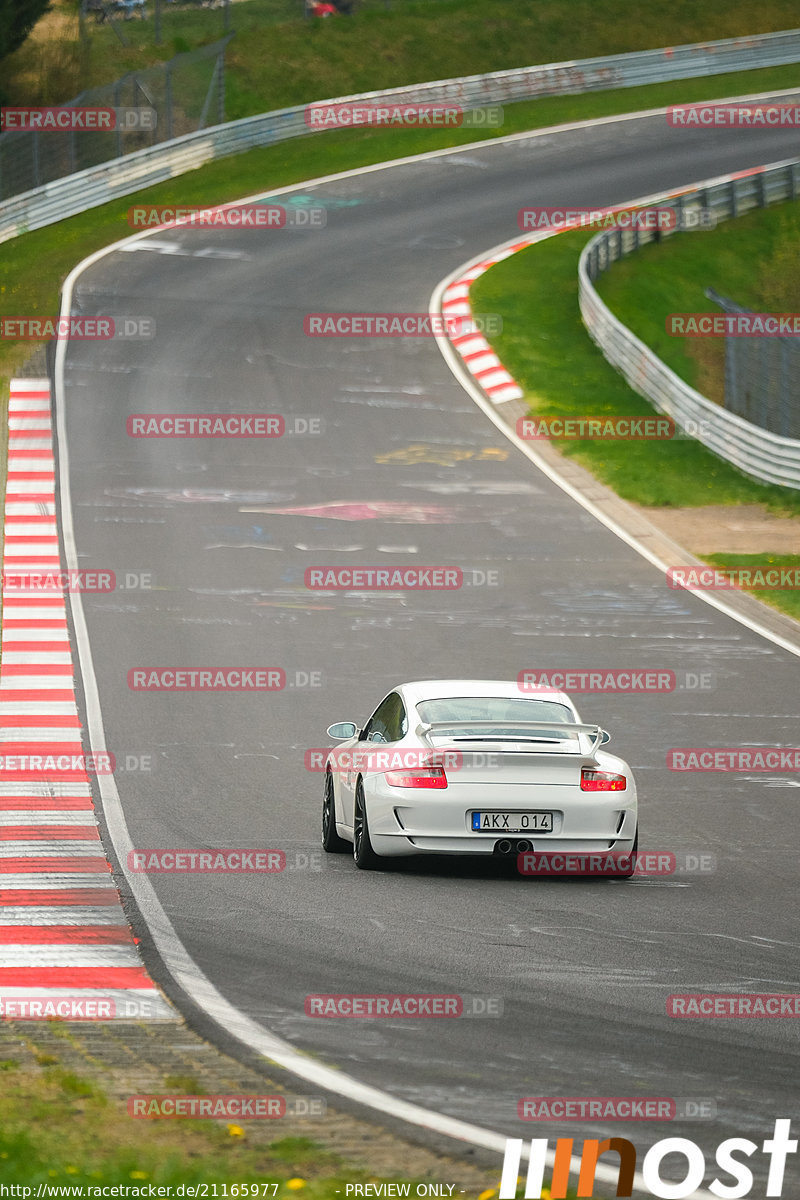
759	453
180	96
762	376
121	176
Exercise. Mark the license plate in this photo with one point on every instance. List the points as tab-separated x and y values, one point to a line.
512	822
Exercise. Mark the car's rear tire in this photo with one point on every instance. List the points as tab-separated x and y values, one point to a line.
331	842
364	856
631	872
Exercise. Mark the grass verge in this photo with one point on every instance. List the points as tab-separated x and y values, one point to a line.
277	58
786	601
34	265
546	348
57	1128
751	260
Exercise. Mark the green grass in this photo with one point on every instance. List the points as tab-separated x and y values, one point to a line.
277	58
34	266
751	260
59	1129
786	601
546	348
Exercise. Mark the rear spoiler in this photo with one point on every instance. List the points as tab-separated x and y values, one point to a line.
425	731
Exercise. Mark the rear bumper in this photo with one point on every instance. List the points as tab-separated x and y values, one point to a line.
439	822
397	844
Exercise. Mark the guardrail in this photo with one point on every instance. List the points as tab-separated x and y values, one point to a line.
763	455
121	176
180	96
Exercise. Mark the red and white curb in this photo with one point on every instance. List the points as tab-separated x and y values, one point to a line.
66	949
475	352
472	347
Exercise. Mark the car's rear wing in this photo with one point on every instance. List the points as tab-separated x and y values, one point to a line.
490	731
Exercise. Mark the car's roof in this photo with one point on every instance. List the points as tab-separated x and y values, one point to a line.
448	689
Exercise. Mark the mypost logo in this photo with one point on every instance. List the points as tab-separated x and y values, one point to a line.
729	1158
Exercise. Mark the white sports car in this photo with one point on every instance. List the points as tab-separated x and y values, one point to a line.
465	766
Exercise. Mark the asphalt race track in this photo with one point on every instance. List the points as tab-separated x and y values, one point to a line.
226	529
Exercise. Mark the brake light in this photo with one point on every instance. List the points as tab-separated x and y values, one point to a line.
602	781
418	777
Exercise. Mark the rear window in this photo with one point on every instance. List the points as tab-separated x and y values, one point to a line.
493	708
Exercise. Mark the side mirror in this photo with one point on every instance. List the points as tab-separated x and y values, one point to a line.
342	730
605	736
